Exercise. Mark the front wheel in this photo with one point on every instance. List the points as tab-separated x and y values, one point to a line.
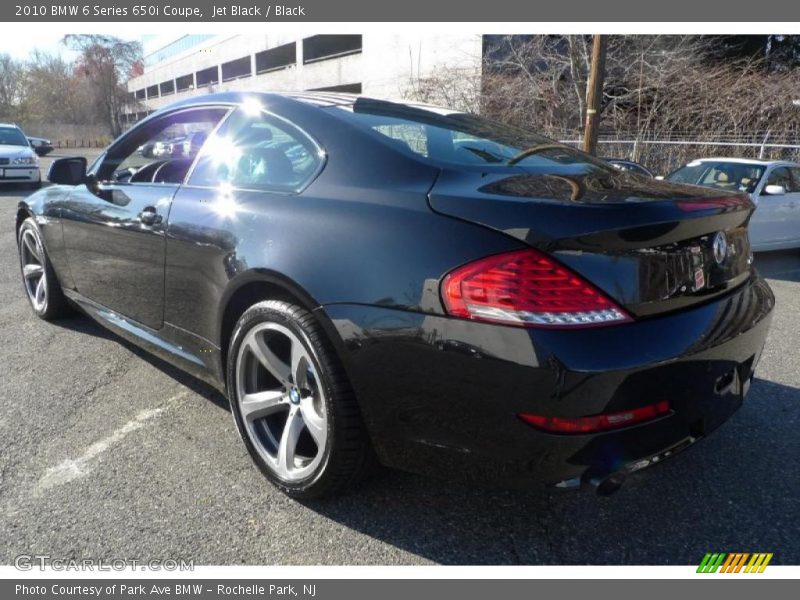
40	281
293	404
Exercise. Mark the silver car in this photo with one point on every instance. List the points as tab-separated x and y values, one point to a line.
774	186
18	162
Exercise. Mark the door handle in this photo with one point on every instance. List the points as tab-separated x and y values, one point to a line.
149	216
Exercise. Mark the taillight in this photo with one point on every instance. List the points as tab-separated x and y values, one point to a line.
527	288
597	422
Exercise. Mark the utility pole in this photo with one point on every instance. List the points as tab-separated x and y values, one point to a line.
594	93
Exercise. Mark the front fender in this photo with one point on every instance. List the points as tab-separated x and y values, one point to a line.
45	207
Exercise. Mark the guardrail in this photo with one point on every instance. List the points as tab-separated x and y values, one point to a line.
81	143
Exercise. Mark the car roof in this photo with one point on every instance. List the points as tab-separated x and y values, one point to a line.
322	98
343	99
317	99
745	161
14	125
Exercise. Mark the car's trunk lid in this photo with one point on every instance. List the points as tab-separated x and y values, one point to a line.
652	246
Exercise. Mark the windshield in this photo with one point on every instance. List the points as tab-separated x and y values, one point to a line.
11	136
465	139
736	177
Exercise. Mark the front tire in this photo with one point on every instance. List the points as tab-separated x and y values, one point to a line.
40	281
293	404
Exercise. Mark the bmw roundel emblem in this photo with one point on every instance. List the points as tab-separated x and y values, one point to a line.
720	247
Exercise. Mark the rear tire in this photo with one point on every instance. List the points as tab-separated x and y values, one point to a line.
293	404
38	278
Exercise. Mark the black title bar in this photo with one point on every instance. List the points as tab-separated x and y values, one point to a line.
585	11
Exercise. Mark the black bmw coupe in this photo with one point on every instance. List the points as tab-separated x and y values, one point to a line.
371	281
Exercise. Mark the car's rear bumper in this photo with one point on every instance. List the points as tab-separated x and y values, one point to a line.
441	396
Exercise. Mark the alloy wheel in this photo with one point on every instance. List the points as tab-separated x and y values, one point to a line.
33	269
281	401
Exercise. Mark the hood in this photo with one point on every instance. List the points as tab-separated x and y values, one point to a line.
8	151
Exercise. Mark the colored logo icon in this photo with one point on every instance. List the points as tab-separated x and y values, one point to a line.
735	562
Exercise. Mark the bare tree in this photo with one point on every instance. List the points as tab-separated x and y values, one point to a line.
47	87
657	87
10	86
105	63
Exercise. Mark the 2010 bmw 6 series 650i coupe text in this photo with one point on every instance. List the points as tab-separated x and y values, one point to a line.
376	281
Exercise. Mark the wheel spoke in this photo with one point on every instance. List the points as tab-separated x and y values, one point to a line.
30	244
40	291
289	439
30	271
279	369
314	423
261	404
299	365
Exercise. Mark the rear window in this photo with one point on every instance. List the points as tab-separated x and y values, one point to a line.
463	139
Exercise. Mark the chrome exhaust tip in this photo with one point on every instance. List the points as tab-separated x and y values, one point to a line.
608	484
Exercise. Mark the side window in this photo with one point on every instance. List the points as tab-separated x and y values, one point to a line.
750	178
780	176
160	151
257	152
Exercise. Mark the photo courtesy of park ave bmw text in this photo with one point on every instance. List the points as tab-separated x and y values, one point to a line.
333	299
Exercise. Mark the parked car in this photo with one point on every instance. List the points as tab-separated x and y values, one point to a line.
18	161
361	286
41	146
147	150
773	185
187	146
629	165
159	148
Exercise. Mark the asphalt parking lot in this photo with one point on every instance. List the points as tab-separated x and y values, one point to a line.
107	452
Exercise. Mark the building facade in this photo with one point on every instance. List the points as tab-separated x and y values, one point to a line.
378	65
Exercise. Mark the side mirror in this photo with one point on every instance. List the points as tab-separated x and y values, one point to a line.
68	171
774	190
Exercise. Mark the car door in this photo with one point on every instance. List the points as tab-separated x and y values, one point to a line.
770	224
793	222
114	225
237	200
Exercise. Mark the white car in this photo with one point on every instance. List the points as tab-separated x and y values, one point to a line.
18	162
774	186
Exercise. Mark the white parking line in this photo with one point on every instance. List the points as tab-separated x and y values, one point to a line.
72	469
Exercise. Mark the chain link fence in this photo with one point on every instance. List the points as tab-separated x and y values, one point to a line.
662	156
